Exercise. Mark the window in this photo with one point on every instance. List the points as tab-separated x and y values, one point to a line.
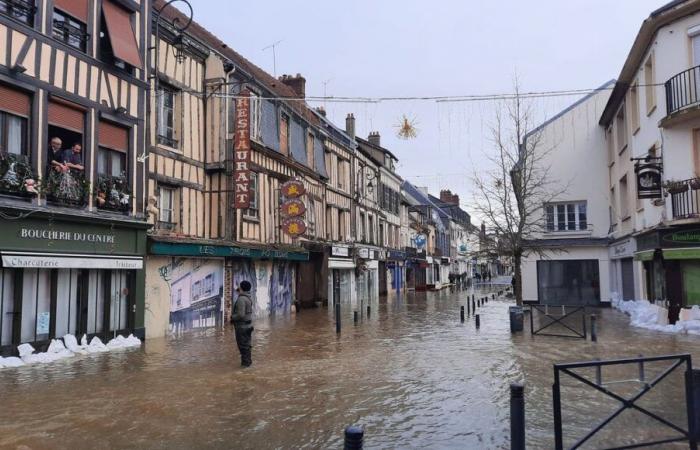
370	228
167	120
310	150
196	290
118	44
624	199
111	162
209	284
566	217
284	134
381	234
341	227
252	210
362	227
21	10
634	107
611	146
166	204
13	134
649	82
69	30
343	174
621	129
612	209
255	116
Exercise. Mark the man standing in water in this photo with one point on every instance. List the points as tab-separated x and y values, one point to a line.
242	319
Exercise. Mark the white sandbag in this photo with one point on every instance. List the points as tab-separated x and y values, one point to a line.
25	350
695	312
662	316
12	361
96	346
83	341
684	315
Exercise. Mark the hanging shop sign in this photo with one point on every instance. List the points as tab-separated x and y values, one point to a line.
648	179
293	189
293	227
293	208
241	150
340	251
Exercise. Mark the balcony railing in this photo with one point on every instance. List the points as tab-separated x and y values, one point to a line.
682	90
685	198
112	192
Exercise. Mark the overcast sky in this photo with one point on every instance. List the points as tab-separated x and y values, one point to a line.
365	48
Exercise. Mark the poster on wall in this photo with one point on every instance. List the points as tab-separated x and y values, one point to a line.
196	293
271	284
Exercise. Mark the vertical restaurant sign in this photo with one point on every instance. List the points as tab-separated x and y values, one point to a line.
241	151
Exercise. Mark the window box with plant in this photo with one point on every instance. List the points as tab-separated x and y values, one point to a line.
17	176
676	187
112	192
68	188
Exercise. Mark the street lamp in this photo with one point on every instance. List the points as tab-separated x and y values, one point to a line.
369	186
179	44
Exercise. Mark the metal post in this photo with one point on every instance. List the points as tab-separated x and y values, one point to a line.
461	314
354	437
337	317
598	375
517	417
478	321
473	305
468	308
354	316
556	401
369	309
692	392
641	369
594	331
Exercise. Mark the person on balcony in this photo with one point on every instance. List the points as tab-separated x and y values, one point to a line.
73	158
56	154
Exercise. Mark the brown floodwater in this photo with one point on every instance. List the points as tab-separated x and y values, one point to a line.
411	374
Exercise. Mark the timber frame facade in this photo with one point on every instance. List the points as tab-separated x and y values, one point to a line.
76	234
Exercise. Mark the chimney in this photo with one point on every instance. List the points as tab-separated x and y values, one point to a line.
321	110
350	126
446	196
297	83
374	138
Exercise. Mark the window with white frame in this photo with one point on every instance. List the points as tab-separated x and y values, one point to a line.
566	216
167	204
253	210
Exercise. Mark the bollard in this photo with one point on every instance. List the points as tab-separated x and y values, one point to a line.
517	417
478	321
337	317
354	316
369	309
468	308
354	436
473	306
693	389
461	314
594	329
598	374
641	369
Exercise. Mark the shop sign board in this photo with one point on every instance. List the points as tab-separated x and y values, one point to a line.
241	151
648	179
340	251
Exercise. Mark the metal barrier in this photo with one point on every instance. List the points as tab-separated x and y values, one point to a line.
557	315
676	361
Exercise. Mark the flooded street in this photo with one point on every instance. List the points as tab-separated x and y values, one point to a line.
411	374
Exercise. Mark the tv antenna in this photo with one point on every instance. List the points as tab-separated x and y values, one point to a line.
325	96
274	56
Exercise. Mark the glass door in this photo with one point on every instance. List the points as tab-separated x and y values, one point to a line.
8	312
36	305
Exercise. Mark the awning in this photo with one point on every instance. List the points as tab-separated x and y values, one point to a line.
76	8
121	33
670	253
69	261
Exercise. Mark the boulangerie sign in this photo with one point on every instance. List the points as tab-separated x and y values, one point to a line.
241	151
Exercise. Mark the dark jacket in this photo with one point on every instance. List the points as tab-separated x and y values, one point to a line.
242	314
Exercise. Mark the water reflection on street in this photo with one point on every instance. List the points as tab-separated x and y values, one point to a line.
410	373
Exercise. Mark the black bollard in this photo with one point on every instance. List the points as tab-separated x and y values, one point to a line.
641	369
354	436
354	316
369	309
478	321
337	317
461	314
693	385
594	329
517	417
473	306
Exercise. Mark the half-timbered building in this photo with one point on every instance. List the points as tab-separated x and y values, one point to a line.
72	93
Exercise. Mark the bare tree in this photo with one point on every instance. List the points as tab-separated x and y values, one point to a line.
509	196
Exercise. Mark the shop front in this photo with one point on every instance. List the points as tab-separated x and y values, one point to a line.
671	259
341	275
622	269
396	269
367	273
191	285
65	274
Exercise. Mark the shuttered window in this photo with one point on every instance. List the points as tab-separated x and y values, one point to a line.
121	33
66	115
14	101
113	136
76	8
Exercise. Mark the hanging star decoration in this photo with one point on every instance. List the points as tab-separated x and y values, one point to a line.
407	128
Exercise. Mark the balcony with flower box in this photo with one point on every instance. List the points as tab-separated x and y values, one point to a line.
17	176
112	193
685	198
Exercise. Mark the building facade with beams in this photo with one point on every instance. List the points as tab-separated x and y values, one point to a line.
73	233
654	113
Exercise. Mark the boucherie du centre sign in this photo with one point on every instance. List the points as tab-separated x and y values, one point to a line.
241	150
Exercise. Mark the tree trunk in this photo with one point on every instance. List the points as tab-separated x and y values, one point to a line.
518	291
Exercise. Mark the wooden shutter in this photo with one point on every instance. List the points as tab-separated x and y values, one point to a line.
113	136
66	115
121	33
76	8
14	101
